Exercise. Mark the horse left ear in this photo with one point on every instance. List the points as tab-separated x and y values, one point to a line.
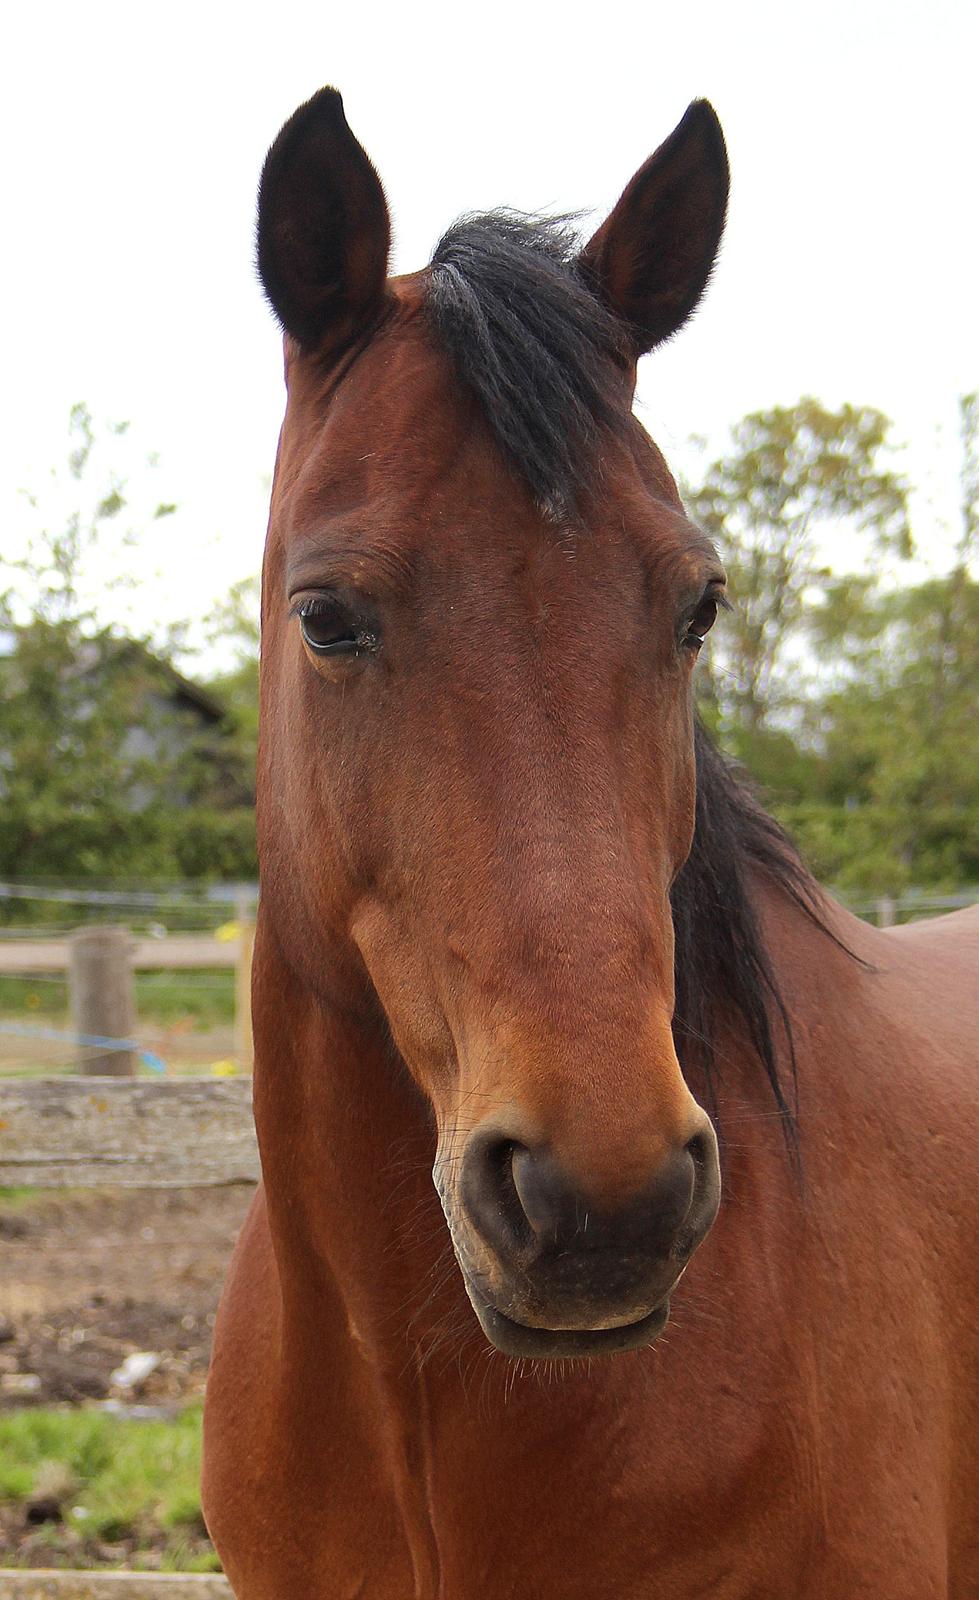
651	258
324	233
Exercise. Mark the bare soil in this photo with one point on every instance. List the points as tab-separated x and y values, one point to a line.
88	1278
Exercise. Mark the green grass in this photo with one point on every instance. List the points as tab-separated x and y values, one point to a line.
116	1479
206	997
33	999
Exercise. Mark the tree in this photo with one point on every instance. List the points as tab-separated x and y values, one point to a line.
794	476
74	525
110	762
894	796
234	625
898	738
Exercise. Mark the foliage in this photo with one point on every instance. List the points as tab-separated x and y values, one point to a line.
105	771
235	625
115	1479
968	547
794	474
67	524
863	747
110	762
898	740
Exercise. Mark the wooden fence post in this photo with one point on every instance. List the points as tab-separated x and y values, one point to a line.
100	986
886	910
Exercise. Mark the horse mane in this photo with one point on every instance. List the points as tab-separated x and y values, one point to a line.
530	339
540	352
722	963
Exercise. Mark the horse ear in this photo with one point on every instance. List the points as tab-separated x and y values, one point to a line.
323	228
651	258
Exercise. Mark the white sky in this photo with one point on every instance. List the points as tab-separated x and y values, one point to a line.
134	135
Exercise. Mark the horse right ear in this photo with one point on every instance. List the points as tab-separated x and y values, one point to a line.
324	233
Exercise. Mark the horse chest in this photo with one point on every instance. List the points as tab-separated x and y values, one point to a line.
574	1518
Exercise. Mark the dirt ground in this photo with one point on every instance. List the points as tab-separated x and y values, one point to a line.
89	1278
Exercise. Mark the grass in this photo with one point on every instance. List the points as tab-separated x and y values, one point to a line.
115	1480
206	998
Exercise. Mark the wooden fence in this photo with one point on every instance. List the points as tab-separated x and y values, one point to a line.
174	952
163	1133
26	1585
100	962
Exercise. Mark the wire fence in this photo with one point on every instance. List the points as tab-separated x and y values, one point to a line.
189	907
40	910
191	1018
186	1013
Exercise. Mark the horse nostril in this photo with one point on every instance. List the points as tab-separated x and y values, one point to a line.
491	1196
537	1194
700	1149
522	1202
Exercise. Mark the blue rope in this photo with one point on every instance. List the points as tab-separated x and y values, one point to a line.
23	1030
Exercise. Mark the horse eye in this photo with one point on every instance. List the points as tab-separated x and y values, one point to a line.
330	629
699	625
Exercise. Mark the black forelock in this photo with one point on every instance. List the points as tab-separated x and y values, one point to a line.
528	337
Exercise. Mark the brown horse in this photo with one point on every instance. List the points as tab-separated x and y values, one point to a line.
519	923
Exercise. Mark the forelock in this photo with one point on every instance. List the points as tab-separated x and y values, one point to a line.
529	338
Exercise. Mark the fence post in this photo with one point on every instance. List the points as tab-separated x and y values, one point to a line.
100	986
886	910
244	1048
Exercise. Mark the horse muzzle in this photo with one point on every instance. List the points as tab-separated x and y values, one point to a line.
550	1272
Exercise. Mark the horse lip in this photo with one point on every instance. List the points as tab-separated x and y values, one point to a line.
519	1339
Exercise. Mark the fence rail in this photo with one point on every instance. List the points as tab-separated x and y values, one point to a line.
100	962
58	1133
174	952
45	1585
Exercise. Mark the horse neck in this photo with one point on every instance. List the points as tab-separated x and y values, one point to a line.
347	1147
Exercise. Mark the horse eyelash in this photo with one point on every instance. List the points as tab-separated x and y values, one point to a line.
313	606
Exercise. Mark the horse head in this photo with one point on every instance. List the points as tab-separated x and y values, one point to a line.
482	607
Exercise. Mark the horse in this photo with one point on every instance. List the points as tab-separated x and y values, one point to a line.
533	969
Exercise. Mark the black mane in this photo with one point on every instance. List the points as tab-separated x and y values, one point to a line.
539	351
722	964
532	342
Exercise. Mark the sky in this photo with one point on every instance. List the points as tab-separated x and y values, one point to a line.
134	137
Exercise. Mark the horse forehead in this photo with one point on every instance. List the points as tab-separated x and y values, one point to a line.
372	425
398	451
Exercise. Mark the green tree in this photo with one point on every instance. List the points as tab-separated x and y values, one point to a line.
968	546
793	476
107	764
894	797
898	737
234	627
